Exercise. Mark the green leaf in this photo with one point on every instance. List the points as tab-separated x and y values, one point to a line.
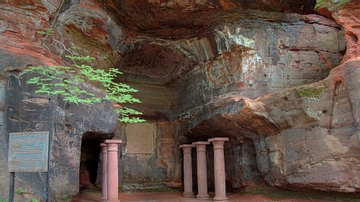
34	80
41	32
131	120
54	80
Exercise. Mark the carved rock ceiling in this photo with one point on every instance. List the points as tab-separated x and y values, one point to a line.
161	33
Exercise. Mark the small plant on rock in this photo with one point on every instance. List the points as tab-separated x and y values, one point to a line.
20	190
309	92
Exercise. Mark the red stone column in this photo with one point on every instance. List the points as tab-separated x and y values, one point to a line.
112	170
188	187
104	156
219	167
201	169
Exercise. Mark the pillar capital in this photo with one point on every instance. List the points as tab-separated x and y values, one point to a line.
186	146
103	147
218	139
200	143
113	141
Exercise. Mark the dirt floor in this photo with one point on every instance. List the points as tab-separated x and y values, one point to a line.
174	197
273	196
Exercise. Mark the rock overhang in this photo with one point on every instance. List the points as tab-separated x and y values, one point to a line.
178	36
186	19
234	29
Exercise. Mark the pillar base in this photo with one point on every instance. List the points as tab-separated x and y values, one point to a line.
114	200
188	194
221	198
202	197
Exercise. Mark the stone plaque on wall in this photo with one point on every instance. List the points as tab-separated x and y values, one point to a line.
28	152
140	138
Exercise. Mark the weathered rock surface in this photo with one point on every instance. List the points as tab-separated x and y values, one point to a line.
27	111
275	77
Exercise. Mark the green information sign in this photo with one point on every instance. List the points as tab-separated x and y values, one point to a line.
28	152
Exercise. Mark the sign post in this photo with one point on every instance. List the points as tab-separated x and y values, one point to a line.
12	186
28	152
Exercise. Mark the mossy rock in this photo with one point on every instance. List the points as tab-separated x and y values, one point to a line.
309	91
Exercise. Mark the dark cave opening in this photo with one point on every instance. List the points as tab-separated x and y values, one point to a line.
89	159
240	166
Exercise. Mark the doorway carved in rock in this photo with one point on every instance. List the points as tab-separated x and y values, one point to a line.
90	164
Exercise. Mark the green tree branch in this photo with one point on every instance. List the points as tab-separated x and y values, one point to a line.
65	80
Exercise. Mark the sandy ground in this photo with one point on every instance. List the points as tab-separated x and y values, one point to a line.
177	197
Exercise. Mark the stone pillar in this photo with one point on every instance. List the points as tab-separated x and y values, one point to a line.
188	186
104	156
201	169
219	167
112	170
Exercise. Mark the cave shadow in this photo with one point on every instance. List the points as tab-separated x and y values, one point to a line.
90	159
241	166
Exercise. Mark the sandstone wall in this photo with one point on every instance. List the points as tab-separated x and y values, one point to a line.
302	139
26	111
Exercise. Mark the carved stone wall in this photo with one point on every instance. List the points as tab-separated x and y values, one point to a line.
26	111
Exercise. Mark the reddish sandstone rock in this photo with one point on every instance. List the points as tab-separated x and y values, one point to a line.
349	18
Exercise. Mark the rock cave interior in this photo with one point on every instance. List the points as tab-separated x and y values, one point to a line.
279	78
